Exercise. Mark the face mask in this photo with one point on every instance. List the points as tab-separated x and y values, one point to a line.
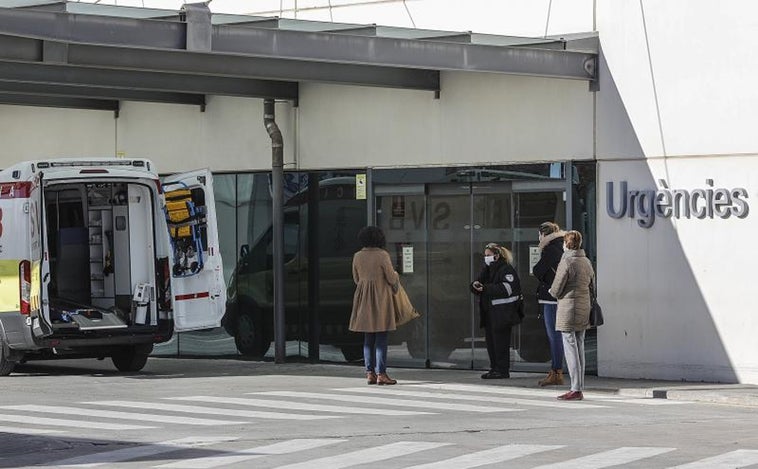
489	259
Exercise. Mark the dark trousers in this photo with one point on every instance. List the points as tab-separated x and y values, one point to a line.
498	337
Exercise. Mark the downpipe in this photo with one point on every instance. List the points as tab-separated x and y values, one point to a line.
277	178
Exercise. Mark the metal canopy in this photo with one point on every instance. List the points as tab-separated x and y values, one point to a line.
46	52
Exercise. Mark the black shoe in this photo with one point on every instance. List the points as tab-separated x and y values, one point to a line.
496	375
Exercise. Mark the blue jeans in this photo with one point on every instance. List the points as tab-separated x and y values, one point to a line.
375	360
554	337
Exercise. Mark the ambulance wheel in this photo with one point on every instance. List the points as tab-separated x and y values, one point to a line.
250	337
132	358
6	366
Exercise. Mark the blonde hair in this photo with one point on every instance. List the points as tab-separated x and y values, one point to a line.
573	239
501	251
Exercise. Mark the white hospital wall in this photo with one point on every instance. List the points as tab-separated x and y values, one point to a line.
680	83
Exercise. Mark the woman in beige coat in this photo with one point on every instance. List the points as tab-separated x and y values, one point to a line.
571	287
373	309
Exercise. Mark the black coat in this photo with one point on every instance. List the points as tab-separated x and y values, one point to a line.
502	287
545	269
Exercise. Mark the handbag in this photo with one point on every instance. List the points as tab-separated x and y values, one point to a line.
404	310
596	312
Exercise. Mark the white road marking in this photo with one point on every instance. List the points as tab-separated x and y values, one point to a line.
134	452
385	402
289	405
68	423
211	410
610	458
490	456
469	397
28	431
119	415
285	447
738	458
510	391
370	455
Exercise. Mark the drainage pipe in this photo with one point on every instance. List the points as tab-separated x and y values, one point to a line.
277	178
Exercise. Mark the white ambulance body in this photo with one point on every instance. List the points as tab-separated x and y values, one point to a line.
97	261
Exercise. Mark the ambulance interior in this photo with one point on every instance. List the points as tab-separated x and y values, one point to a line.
102	259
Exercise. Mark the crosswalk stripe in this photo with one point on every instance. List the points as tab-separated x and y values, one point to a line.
27	431
372	455
142	451
211	410
119	415
284	447
290	405
468	397
68	423
509	391
651	401
388	402
490	456
610	458
738	458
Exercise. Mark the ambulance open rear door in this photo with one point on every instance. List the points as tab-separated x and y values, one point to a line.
39	262
197	274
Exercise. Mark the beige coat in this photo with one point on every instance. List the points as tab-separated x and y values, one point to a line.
572	289
374	275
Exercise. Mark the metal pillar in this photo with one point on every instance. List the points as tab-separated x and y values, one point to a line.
277	178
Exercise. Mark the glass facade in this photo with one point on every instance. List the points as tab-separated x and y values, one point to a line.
436	221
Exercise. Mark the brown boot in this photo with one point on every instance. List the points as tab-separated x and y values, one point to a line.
382	378
371	377
554	377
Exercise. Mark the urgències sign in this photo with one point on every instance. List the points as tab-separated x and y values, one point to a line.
647	205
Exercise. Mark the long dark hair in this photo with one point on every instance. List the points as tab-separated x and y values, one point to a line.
372	237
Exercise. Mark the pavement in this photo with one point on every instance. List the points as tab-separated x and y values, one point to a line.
715	393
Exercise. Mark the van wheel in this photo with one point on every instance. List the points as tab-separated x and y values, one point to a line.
250	338
132	358
6	366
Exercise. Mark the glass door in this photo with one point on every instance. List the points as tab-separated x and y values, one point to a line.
450	322
534	203
436	235
401	213
492	217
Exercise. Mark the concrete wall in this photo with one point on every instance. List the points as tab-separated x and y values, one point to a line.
674	294
479	118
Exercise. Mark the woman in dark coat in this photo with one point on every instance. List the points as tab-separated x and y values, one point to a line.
551	251
500	307
373	310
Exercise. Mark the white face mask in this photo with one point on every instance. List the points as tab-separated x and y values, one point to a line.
489	259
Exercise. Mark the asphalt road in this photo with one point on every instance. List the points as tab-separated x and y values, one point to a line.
228	413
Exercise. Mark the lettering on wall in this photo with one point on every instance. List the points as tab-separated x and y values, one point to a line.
647	205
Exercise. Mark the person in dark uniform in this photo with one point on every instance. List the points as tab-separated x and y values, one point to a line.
500	307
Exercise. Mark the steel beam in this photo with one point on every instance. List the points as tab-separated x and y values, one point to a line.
92	92
307	47
56	101
146	81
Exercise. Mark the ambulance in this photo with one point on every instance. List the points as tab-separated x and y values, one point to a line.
101	258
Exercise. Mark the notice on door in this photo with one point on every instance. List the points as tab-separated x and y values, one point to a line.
407	259
360	187
534	257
